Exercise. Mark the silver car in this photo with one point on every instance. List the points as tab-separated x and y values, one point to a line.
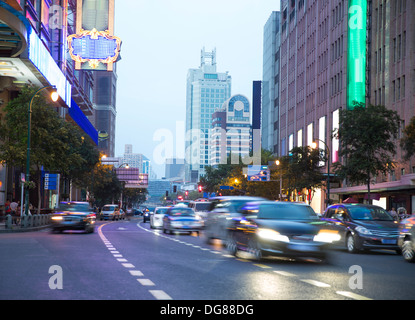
156	219
223	210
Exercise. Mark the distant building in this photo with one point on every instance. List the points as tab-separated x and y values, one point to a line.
231	130
207	89
174	168
136	160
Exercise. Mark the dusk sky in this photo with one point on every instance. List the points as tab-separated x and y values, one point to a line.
162	39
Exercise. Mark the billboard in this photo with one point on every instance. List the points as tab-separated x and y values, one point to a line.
94	46
258	173
356	54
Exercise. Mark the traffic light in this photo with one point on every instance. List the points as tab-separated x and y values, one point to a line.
200	188
186	193
174	189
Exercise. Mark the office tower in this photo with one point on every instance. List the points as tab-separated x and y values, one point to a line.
207	89
270	84
135	160
231	130
315	84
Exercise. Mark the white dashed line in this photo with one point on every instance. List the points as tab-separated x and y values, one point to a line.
136	273
316	283
285	274
146	282
352	295
128	265
160	295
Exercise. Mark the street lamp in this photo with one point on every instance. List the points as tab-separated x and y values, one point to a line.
54	97
314	146
277	162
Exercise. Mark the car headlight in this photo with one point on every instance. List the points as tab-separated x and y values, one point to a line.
328	236
272	235
57	218
363	230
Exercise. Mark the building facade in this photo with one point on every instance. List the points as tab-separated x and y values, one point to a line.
270	84
207	90
33	52
231	130
314	83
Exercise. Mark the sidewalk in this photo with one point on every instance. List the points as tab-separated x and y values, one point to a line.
19	228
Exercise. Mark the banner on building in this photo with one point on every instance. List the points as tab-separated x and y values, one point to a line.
356	55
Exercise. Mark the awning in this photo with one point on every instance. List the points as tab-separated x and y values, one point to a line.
83	122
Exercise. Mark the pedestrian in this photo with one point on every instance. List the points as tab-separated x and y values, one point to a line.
394	214
14	213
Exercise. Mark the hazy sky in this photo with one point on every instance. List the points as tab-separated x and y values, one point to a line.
162	39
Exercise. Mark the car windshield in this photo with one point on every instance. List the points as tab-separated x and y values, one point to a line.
161	211
75	207
369	213
180	212
287	212
203	206
108	208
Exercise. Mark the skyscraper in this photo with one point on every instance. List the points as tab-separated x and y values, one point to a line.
207	90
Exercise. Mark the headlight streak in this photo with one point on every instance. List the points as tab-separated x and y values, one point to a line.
272	235
327	236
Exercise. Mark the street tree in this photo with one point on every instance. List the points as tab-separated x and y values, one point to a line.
53	140
408	140
368	137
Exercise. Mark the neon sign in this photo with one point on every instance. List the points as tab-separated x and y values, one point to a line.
94	47
356	55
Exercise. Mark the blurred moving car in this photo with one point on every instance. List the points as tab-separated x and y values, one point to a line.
222	210
363	226
146	215
201	208
279	229
110	212
406	240
181	219
74	216
156	219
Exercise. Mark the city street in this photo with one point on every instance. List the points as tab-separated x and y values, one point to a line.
126	260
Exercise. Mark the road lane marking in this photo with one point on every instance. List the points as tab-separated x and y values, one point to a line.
285	274
117	255
128	265
146	282
352	295
316	283
136	273
160	295
263	266
122	260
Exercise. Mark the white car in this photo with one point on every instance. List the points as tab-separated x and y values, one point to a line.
156	219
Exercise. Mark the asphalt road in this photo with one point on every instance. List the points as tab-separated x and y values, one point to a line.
127	260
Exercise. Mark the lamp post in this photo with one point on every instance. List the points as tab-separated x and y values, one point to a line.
55	98
314	146
277	162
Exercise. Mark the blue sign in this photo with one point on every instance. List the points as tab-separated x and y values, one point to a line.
51	181
226	188
89	48
259	173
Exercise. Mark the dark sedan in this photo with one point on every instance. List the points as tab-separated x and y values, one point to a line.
363	227
181	219
279	229
74	216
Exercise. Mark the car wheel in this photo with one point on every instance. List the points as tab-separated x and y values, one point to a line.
351	244
408	252
231	245
254	250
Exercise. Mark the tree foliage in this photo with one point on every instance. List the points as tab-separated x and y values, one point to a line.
408	140
368	143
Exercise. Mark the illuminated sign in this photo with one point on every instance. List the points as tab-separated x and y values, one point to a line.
94	47
356	55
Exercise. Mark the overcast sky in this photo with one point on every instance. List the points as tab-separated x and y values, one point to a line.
162	39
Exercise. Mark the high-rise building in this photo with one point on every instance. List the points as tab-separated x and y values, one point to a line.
207	89
136	160
270	84
231	130
316	80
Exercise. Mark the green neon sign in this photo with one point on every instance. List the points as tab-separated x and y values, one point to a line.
356	55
